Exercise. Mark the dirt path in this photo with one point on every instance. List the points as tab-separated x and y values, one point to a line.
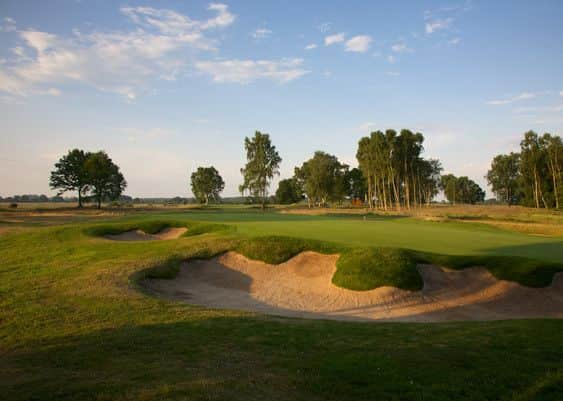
138	235
302	287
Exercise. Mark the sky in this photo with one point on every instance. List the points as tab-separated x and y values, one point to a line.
167	86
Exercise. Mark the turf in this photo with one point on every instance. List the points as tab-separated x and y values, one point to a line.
73	325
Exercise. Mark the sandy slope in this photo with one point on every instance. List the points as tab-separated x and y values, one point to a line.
138	235
302	287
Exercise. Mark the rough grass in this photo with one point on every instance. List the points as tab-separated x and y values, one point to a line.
368	268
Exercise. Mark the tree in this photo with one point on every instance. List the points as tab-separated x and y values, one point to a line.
356	186
104	178
288	192
534	167
263	163
461	190
448	185
70	174
322	178
504	177
207	184
394	170
553	146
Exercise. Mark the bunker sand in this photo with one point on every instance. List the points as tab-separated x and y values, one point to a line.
302	287
139	235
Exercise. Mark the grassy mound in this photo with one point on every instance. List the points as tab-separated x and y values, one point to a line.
368	268
277	249
155	226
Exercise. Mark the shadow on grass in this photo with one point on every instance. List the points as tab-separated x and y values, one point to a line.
214	355
549	250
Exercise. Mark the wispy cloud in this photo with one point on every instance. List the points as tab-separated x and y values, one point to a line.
438	25
247	71
400	47
454	41
391	59
521	96
122	62
311	46
442	19
324	27
8	25
393	73
261	33
359	44
333	39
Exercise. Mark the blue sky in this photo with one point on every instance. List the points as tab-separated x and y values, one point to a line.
167	86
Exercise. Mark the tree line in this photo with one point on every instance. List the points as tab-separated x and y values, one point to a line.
531	177
391	174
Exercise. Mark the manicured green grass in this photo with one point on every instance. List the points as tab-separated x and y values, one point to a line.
73	325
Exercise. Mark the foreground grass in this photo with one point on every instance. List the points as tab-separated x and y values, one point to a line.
73	326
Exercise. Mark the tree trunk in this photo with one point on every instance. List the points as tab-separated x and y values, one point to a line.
536	189
79	197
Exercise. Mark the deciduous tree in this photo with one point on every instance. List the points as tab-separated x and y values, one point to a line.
70	174
207	184
262	164
104	178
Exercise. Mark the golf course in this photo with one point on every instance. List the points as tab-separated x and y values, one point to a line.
79	322
281	200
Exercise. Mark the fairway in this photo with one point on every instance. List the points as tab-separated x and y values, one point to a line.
451	238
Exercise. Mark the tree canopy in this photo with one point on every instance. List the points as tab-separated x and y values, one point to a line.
90	174
262	164
395	172
533	176
104	177
288	192
70	174
461	190
504	176
207	184
322	178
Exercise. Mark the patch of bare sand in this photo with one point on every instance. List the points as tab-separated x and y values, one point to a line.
139	235
302	287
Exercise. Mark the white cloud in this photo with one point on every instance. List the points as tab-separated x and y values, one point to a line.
332	39
311	46
521	96
327	74
261	33
247	71
454	41
8	25
561	93
122	62
400	47
359	44
391	59
393	73
438	25
224	17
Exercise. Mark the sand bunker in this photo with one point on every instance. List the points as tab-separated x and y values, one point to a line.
138	235
302	287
